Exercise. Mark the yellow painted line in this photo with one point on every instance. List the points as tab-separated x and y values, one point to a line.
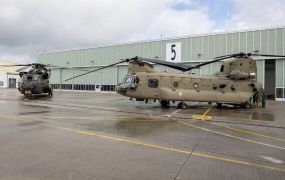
253	133
205	113
203	117
198	154
112	118
231	136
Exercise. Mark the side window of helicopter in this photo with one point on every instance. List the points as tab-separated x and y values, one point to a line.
153	83
222	68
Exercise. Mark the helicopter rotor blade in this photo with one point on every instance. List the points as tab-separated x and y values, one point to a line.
88	72
178	66
266	55
208	62
13	65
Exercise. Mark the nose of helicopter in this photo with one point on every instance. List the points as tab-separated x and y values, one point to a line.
122	89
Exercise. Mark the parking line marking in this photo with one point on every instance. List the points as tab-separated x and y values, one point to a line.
198	154
203	117
206	112
253	133
231	136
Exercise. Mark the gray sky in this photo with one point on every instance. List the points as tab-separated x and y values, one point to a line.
31	27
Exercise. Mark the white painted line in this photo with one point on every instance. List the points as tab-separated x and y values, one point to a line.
231	136
274	160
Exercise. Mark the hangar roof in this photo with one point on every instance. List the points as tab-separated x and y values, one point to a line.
11	70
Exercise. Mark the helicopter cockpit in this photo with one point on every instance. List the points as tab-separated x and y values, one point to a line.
130	82
28	77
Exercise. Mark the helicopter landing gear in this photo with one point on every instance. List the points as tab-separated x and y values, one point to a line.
219	105
29	96
164	103
182	105
50	93
246	105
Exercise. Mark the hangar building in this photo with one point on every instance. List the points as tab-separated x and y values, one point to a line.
189	49
8	76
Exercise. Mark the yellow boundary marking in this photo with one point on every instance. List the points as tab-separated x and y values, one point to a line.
252	133
231	136
198	154
203	117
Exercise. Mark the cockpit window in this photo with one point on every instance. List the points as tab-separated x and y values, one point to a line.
128	80
31	78
131	79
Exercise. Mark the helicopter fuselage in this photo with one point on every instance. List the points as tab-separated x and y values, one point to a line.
188	87
33	84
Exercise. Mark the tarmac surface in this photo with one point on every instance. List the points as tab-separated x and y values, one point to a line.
107	136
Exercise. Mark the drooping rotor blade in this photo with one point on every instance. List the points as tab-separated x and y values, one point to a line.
266	55
178	66
208	62
12	65
125	60
241	54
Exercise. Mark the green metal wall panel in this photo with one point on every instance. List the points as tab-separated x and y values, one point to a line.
205	48
280	41
242	42
249	42
260	71
280	69
235	37
264	42
198	48
230	43
256	41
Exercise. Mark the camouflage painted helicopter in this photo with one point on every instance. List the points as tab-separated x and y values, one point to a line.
234	84
35	81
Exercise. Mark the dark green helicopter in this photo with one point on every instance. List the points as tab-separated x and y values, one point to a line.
34	82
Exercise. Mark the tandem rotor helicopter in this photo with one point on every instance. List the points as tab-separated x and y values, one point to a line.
234	84
35	81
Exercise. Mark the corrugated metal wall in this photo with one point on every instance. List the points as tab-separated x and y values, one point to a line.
193	49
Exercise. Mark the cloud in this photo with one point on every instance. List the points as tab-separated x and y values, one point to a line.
28	28
257	14
32	27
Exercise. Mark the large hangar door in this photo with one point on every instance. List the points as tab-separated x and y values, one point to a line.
270	78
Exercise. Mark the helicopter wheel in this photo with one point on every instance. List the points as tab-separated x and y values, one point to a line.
182	105
164	103
247	105
50	93
219	105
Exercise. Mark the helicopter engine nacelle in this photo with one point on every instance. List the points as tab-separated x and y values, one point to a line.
22	73
238	75
135	67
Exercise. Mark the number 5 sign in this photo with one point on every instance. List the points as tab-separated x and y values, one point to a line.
173	52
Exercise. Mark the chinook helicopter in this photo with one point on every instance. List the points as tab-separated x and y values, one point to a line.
234	84
35	81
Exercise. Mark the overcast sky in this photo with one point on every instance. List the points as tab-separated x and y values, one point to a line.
31	27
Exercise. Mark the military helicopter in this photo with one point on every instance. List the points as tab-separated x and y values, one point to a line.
234	84
35	81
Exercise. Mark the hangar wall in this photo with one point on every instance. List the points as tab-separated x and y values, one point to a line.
190	50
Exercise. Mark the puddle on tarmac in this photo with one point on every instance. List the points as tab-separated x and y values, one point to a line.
130	127
33	112
30	123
